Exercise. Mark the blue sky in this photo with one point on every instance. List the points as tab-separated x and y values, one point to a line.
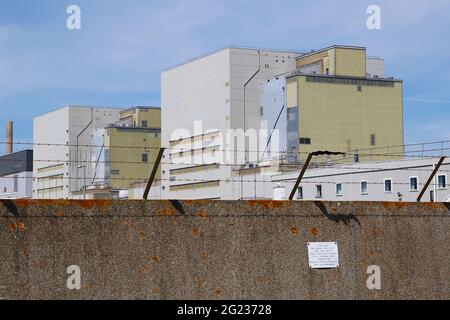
117	56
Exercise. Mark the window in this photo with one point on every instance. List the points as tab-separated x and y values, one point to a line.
305	140
388	185
261	111
413	184
144	123
431	196
4	190
442	181
115	172
291	114
300	193
338	189
318	191
372	140
359	88
327	71
364	187
144	157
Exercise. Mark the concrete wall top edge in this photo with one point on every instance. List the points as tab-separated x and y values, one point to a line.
205	208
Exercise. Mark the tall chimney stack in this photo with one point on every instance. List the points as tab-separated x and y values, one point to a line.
9	137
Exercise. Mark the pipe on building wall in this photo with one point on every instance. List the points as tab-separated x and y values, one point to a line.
9	137
245	86
78	136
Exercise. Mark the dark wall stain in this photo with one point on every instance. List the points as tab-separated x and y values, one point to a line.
11	206
178	205
336	217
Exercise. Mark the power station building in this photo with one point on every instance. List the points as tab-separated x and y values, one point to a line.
337	101
126	150
204	104
63	151
229	113
16	175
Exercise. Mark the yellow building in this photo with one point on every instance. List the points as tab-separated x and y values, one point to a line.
131	146
333	104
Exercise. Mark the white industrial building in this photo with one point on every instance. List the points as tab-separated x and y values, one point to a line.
371	181
63	152
205	103
16	175
201	101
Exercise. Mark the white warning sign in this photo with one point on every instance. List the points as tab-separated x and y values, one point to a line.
323	255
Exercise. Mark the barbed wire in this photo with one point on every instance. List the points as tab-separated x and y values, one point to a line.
353	152
333	165
144	180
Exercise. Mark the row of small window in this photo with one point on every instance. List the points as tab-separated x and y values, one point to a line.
308	140
379	83
364	186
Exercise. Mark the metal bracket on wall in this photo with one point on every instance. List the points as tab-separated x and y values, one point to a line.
430	179
305	166
153	174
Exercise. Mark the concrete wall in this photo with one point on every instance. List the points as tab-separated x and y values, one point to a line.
221	250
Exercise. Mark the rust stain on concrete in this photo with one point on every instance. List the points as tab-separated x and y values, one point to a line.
144	269
89	204
397	205
60	213
189	202
260	279
85	204
156	291
294	231
196	232
167	212
314	231
203	213
268	204
17	226
217	292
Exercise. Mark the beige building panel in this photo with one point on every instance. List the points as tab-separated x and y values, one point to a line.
129	162
350	62
312	58
336	116
291	92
